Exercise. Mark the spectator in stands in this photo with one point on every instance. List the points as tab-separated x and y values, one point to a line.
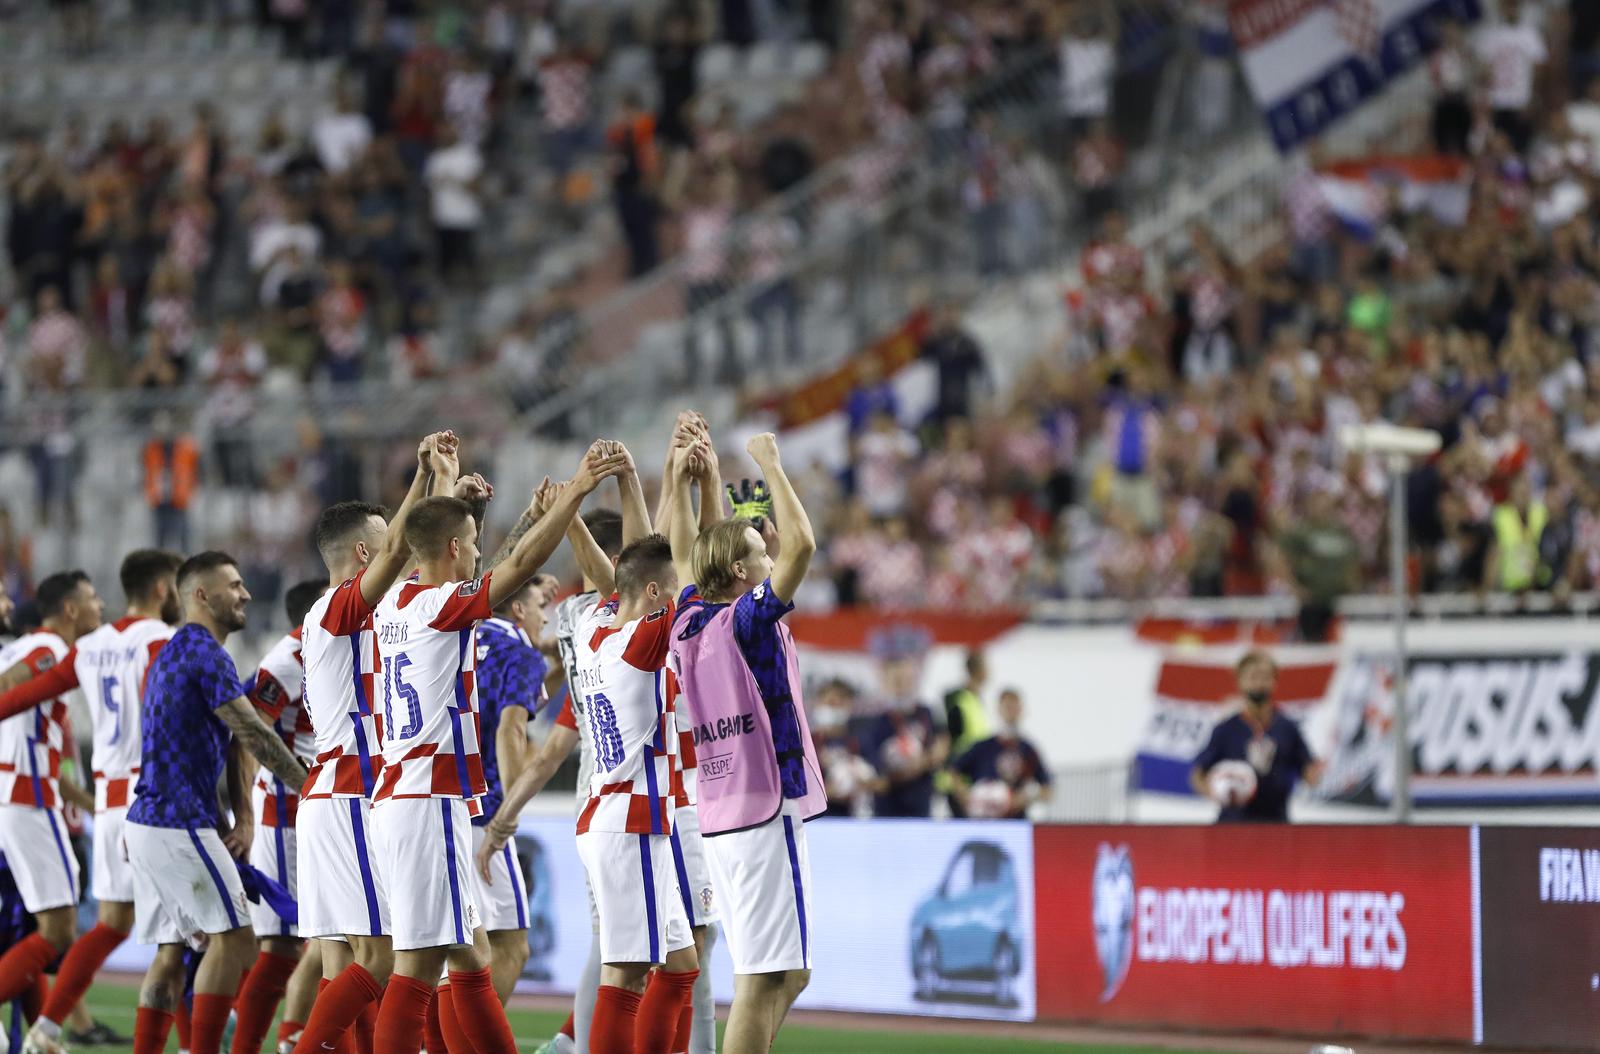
342	324
57	345
342	134
771	239
1452	68
1325	562
676	57
1513	50
454	175
232	370
883	456
634	168
157	367
707	247
1518	524
965	715
1097	161
962	370
1001	776
907	741
850	778
1087	58
1268	741
171	475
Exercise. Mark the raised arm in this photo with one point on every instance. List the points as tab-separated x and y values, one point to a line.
682	529
256	737
635	513
58	680
535	547
796	542
436	460
712	510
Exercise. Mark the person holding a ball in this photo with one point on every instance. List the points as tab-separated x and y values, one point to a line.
1253	759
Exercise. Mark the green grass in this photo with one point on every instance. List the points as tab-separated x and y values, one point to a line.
114	1004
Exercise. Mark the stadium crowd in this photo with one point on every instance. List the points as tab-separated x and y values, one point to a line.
1180	438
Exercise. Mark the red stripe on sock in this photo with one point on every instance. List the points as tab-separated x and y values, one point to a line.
84	959
615	1011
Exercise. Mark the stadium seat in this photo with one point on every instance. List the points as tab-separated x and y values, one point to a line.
807	60
717	64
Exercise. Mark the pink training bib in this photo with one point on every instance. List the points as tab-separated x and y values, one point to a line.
738	785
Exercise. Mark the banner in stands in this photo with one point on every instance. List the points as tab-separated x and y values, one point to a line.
1501	728
1332	930
1192	696
1311	62
1540	896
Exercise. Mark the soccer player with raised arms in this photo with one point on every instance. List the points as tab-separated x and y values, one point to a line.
433	773
759	776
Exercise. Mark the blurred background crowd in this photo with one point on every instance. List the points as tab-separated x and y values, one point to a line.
488	207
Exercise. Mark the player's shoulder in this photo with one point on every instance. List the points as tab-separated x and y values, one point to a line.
31	643
146	631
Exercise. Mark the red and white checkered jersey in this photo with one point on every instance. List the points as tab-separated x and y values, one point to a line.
628	693
110	665
339	656
428	690
32	741
279	696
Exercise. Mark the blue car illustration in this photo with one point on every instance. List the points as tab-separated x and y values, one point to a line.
966	936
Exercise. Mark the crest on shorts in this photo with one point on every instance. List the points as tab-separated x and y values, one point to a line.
705	898
469	589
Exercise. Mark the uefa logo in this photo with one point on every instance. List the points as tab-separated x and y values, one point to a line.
1113	916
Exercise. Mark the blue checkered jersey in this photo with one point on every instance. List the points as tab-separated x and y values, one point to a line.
510	675
185	743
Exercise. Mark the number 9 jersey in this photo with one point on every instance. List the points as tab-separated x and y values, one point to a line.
426	692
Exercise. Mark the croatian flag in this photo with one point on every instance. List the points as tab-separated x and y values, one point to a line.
1193	694
1311	62
1361	193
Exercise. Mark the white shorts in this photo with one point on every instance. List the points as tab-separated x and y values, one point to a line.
425	849
689	862
184	884
42	863
503	904
763	882
111	878
341	886
636	890
273	854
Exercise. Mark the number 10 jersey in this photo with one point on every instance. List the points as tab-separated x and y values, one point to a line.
628	695
427	697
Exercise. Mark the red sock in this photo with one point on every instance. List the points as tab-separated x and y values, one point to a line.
680	1038
339	1003
84	959
210	1018
258	1001
455	1039
433	1041
568	1029
480	1012
611	1031
402	1016
25	961
664	1000
244	978
184	1019
289	1031
150	1030
362	1031
34	998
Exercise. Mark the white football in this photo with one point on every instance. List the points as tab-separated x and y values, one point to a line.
1232	782
989	799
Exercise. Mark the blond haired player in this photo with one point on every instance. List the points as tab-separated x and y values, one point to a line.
739	675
